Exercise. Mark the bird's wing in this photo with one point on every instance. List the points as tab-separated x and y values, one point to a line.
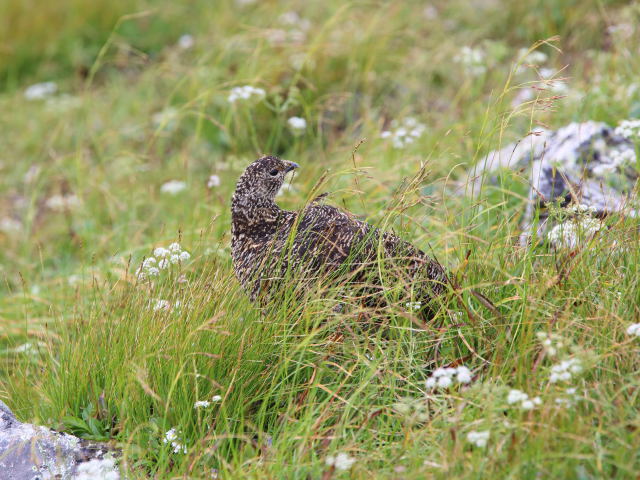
327	234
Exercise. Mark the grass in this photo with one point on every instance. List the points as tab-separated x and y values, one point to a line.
299	382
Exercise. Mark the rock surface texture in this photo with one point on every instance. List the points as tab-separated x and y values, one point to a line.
30	452
318	242
590	165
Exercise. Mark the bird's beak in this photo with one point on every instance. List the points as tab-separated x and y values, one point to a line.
291	166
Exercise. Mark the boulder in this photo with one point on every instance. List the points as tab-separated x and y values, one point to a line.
589	167
31	452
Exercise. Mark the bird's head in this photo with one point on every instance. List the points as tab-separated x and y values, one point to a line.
264	177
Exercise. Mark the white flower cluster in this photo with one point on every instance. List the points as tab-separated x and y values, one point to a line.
296	33
479	439
186	41
163	305
628	129
173	187
582	209
246	93
405	132
634	329
162	259
10	225
414	410
472	59
172	437
293	19
415	306
552	343
206	403
98	469
444	377
535	57
618	159
526	403
214	181
297	125
341	461
61	203
571	398
564	371
40	91
574	232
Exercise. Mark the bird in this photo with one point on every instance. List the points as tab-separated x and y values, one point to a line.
320	242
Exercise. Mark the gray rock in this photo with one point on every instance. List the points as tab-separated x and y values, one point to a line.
586	164
30	452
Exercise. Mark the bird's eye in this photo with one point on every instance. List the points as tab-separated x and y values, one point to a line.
274	172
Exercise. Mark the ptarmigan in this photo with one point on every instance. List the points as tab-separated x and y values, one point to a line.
270	245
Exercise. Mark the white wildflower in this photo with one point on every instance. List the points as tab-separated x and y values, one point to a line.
61	203
171	436
201	404
216	398
634	329
161	305
534	57
551	343
184	256
463	375
186	41
574	232
445	377
413	305
173	187
246	93
570	399
516	396
625	30
479	439
161	252
175	247
97	469
526	403
174	258
616	160
546	73
404	133
164	264
430	12
341	461
628	128
472	60
444	382
9	225
149	262
214	181
529	404
39	91
293	19
564	371
297	125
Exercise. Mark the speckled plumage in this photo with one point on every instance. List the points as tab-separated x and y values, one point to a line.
319	242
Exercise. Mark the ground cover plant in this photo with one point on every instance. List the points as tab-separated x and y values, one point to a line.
124	129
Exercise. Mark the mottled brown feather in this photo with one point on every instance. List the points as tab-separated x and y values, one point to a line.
318	242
